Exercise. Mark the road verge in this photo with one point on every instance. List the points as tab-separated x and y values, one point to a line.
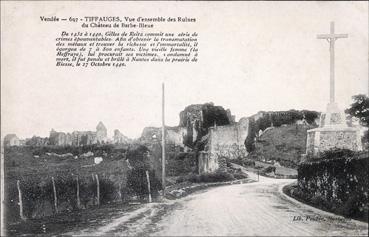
284	190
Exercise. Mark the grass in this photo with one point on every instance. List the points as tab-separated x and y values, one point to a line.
284	144
35	173
67	222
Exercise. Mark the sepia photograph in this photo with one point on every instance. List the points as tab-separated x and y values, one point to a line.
184	118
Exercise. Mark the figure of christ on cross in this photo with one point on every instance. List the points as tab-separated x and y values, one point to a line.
331	38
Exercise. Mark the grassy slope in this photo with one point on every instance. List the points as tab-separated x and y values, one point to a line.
21	162
284	144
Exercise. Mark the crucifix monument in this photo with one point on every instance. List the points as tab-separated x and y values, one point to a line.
333	131
331	38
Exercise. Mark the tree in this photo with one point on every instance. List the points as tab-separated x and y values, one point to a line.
250	139
360	109
136	180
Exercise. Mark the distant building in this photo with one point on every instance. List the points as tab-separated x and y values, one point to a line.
79	138
60	138
119	138
174	135
11	140
101	133
82	138
37	141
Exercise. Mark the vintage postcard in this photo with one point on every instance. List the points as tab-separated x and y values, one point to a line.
193	118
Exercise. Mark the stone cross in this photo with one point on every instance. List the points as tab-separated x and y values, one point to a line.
331	38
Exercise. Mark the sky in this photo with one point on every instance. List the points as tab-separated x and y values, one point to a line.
253	56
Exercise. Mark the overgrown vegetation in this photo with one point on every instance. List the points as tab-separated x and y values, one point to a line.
218	176
360	109
242	161
251	135
121	176
181	163
338	183
137	180
98	150
284	145
333	153
276	119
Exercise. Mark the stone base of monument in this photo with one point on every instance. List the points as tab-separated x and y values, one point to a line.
333	132
326	138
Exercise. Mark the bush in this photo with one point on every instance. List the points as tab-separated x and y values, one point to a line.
248	163
242	162
343	179
353	207
269	169
319	201
218	176
250	139
107	191
180	163
235	161
336	153
240	175
136	180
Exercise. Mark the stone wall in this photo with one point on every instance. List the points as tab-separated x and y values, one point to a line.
174	135
37	141
207	163
198	118
323	139
79	138
119	138
343	139
228	141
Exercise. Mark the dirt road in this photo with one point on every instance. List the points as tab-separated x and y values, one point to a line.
245	209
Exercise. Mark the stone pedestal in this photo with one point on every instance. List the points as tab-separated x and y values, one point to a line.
333	132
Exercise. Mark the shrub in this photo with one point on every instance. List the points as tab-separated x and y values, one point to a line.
248	163
136	180
107	190
319	201
235	161
180	163
336	153
240	175
218	176
269	169
353	207
250	139
342	177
